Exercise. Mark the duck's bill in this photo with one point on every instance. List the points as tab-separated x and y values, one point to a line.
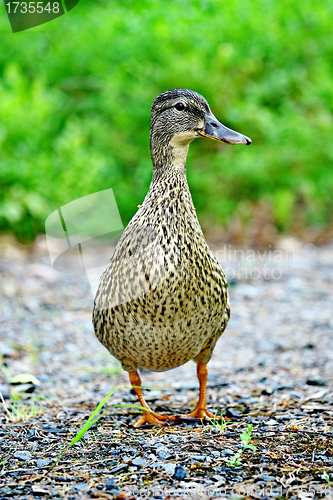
213	129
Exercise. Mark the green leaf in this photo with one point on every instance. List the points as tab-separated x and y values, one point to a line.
24	378
93	418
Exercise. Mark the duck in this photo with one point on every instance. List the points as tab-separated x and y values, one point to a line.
163	297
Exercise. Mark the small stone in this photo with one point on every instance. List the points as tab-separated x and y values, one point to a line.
231	413
23	455
216	453
153	395
4	389
43	462
82	486
208	481
219	478
267	477
6	351
217	469
227	452
268	391
180	472
52	429
316	381
27	388
163	453
140	462
119	468
199	458
111	484
168	468
177	439
271	421
191	425
157	444
6	491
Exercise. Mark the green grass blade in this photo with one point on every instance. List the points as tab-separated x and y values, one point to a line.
93	419
139	407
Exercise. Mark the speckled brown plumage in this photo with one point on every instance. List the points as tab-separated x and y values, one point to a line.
163	298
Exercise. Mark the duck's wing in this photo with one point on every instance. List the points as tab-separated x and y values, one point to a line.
136	268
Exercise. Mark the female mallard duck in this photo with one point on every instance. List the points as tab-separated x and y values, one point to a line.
163	298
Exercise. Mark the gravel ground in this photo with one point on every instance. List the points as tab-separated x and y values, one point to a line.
271	370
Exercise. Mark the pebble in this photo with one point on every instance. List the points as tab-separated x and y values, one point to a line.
43	462
151	396
163	453
52	429
119	468
208	481
219	478
271	421
23	455
316	381
140	462
27	388
4	389
227	452
169	468
82	486
7	351
198	458
267	477
6	491
111	484
180	472
157	444
178	439
231	413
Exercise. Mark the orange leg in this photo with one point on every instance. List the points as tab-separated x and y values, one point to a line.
148	416
200	411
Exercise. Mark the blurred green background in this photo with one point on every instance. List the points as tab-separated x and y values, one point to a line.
75	97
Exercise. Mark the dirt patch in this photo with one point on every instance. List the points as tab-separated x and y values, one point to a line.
271	370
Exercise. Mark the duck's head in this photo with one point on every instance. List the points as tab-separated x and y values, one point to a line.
177	117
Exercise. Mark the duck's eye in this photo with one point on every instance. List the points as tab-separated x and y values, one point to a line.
180	106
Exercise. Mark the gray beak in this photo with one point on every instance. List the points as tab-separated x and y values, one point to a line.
213	129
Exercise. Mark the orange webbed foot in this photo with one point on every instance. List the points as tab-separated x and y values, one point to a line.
148	416
201	413
152	419
200	410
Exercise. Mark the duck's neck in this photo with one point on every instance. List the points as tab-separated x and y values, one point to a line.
169	182
170	153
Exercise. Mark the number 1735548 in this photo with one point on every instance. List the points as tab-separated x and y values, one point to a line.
32	7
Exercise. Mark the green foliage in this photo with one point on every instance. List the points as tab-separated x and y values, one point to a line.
245	438
75	97
18	411
93	419
218	422
326	476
